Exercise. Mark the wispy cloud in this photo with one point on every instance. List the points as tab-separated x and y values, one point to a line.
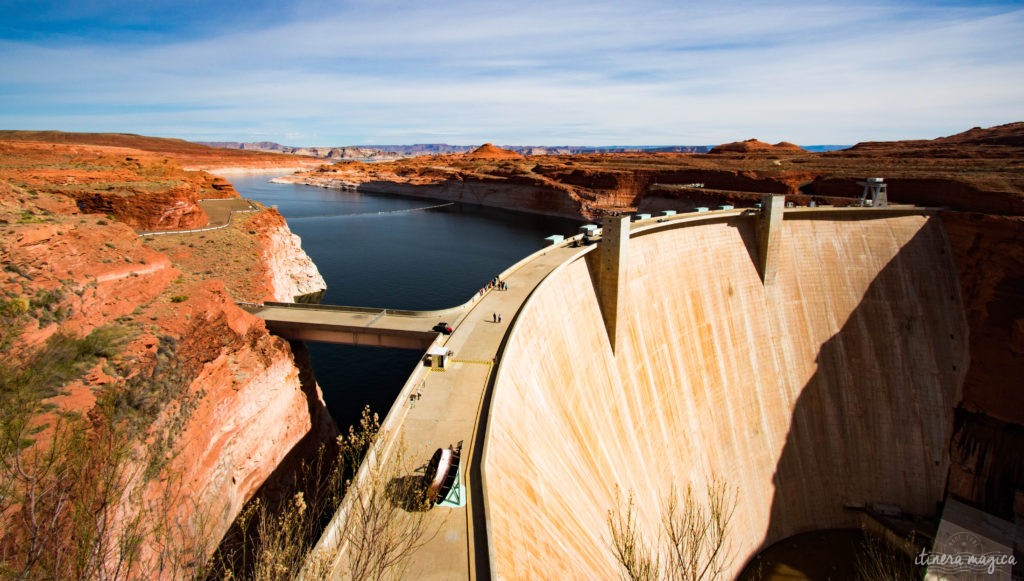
531	72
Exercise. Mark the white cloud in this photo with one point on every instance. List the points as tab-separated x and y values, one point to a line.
653	72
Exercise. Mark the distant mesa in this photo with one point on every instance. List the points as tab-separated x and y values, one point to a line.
755	146
490	151
1011	134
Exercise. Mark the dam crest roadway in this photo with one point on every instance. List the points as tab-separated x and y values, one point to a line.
507	389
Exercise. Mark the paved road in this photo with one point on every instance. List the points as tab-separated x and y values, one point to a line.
218	214
219	211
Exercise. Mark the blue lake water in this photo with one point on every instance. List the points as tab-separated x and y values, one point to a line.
379	250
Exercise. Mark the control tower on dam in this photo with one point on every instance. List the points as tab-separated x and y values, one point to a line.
810	370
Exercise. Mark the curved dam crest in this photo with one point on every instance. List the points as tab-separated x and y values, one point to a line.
833	385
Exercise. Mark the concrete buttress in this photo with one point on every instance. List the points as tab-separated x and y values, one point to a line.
769	236
612	254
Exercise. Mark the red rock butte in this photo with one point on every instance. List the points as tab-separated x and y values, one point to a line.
755	146
490	151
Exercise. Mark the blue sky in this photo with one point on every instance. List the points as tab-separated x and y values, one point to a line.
530	72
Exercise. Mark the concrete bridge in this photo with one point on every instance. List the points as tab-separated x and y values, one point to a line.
611	358
354	325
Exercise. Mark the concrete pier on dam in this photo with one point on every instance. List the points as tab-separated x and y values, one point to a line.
810	359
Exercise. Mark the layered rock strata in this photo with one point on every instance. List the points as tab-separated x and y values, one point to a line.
215	402
291	272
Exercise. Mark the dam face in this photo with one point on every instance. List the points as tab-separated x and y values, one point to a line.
833	385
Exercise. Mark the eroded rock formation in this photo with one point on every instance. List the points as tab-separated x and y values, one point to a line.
290	271
205	398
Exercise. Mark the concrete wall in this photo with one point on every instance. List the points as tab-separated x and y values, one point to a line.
834	385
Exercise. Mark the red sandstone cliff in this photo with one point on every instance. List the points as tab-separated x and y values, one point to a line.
207	401
289	271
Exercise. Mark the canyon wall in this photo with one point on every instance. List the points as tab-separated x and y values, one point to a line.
524	197
248	407
833	386
988	448
290	272
208	401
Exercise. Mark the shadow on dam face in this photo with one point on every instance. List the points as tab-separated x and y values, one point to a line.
834	386
874	422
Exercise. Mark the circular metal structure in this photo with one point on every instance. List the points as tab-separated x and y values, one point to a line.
437	473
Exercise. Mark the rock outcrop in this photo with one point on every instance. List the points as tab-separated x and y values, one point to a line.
755	146
208	400
250	411
489	151
290	271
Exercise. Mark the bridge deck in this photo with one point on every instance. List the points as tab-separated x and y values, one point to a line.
353	327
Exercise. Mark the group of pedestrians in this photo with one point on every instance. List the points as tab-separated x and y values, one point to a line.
494	283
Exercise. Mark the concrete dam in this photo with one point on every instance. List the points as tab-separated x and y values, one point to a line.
831	384
808	358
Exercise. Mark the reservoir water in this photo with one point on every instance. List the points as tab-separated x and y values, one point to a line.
379	250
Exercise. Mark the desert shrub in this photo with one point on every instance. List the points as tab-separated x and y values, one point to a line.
11	267
694	542
878	560
383	517
71	487
62	358
46	306
59	492
144	395
14	307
